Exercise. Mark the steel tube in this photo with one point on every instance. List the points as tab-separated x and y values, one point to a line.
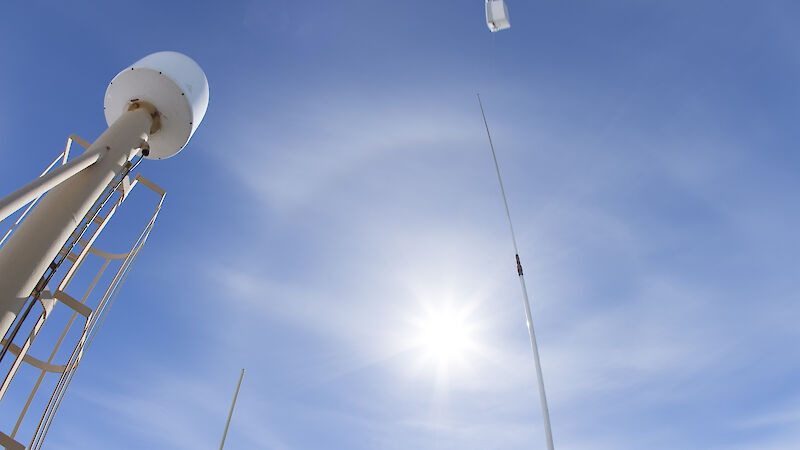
26	194
230	413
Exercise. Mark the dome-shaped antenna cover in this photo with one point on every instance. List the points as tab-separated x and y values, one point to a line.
175	85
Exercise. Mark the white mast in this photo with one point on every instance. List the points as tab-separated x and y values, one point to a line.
152	109
542	397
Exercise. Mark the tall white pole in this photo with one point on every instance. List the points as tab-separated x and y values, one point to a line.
28	252
540	378
230	413
542	397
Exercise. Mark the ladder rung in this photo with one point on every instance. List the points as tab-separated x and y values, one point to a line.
99	220
72	256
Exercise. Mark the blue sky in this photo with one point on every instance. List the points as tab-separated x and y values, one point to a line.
340	189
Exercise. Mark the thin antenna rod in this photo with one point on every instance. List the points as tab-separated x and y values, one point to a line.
534	347
230	414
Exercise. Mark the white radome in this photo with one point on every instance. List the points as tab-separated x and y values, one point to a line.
175	85
497	15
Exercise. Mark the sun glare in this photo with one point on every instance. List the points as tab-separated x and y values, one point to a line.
445	336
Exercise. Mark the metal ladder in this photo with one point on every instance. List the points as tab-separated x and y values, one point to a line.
116	185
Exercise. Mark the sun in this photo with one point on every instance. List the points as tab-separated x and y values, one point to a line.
445	336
